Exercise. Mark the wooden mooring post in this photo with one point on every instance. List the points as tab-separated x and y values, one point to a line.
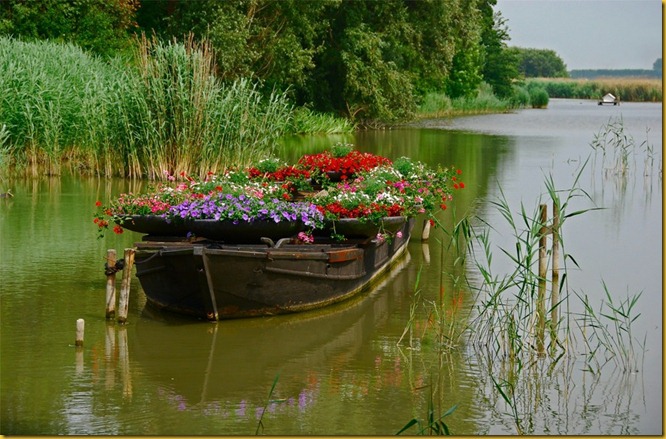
80	329
110	283
425	232
543	268
544	231
123	302
555	275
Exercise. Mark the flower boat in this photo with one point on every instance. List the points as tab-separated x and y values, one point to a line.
243	244
214	280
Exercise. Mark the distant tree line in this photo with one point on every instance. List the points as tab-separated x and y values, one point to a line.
656	72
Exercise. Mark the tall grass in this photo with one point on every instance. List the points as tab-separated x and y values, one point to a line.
46	92
178	117
510	317
439	105
306	121
163	112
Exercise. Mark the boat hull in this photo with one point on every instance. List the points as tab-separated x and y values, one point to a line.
217	281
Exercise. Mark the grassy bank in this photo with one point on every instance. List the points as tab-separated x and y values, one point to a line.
627	89
436	105
165	110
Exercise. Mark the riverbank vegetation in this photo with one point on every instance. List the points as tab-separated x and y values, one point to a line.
627	89
220	81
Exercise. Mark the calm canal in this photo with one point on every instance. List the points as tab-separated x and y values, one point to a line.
342	370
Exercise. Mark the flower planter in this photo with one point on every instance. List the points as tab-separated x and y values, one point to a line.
227	231
157	225
357	228
245	232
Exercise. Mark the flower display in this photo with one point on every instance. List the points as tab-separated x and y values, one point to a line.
246	208
340	162
370	187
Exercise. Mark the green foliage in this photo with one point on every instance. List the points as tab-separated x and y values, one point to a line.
500	65
484	101
539	63
368	60
538	97
520	97
305	121
101	26
464	79
374	88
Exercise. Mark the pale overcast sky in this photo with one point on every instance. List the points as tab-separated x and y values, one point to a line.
588	34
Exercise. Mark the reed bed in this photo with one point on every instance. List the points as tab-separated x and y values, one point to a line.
440	105
160	113
627	89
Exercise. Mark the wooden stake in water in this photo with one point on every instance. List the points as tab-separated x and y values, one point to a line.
123	360
425	233
80	329
111	284
123	303
555	275
543	268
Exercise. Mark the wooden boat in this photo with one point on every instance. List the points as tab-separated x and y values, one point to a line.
217	280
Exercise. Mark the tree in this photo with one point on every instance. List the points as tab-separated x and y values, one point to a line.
540	63
500	65
101	26
657	66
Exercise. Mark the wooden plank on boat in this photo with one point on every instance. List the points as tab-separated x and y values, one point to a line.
297	255
344	255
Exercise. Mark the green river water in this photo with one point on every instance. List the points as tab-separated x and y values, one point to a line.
341	370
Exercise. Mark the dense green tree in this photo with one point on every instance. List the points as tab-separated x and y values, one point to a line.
540	63
363	58
101	26
500	67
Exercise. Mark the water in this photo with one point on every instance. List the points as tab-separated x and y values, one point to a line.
339	370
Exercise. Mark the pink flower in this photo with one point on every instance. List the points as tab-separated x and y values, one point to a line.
399	234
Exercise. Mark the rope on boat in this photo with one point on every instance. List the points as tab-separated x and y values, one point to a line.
118	266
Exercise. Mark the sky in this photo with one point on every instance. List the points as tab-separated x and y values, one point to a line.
588	34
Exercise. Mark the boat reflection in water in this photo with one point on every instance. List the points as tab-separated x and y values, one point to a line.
229	367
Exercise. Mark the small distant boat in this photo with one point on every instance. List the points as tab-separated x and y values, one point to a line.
608	98
215	280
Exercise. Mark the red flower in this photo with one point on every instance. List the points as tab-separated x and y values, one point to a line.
98	203
459	171
462	185
117	229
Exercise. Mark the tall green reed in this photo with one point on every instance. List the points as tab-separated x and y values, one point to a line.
163	111
46	88
187	120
